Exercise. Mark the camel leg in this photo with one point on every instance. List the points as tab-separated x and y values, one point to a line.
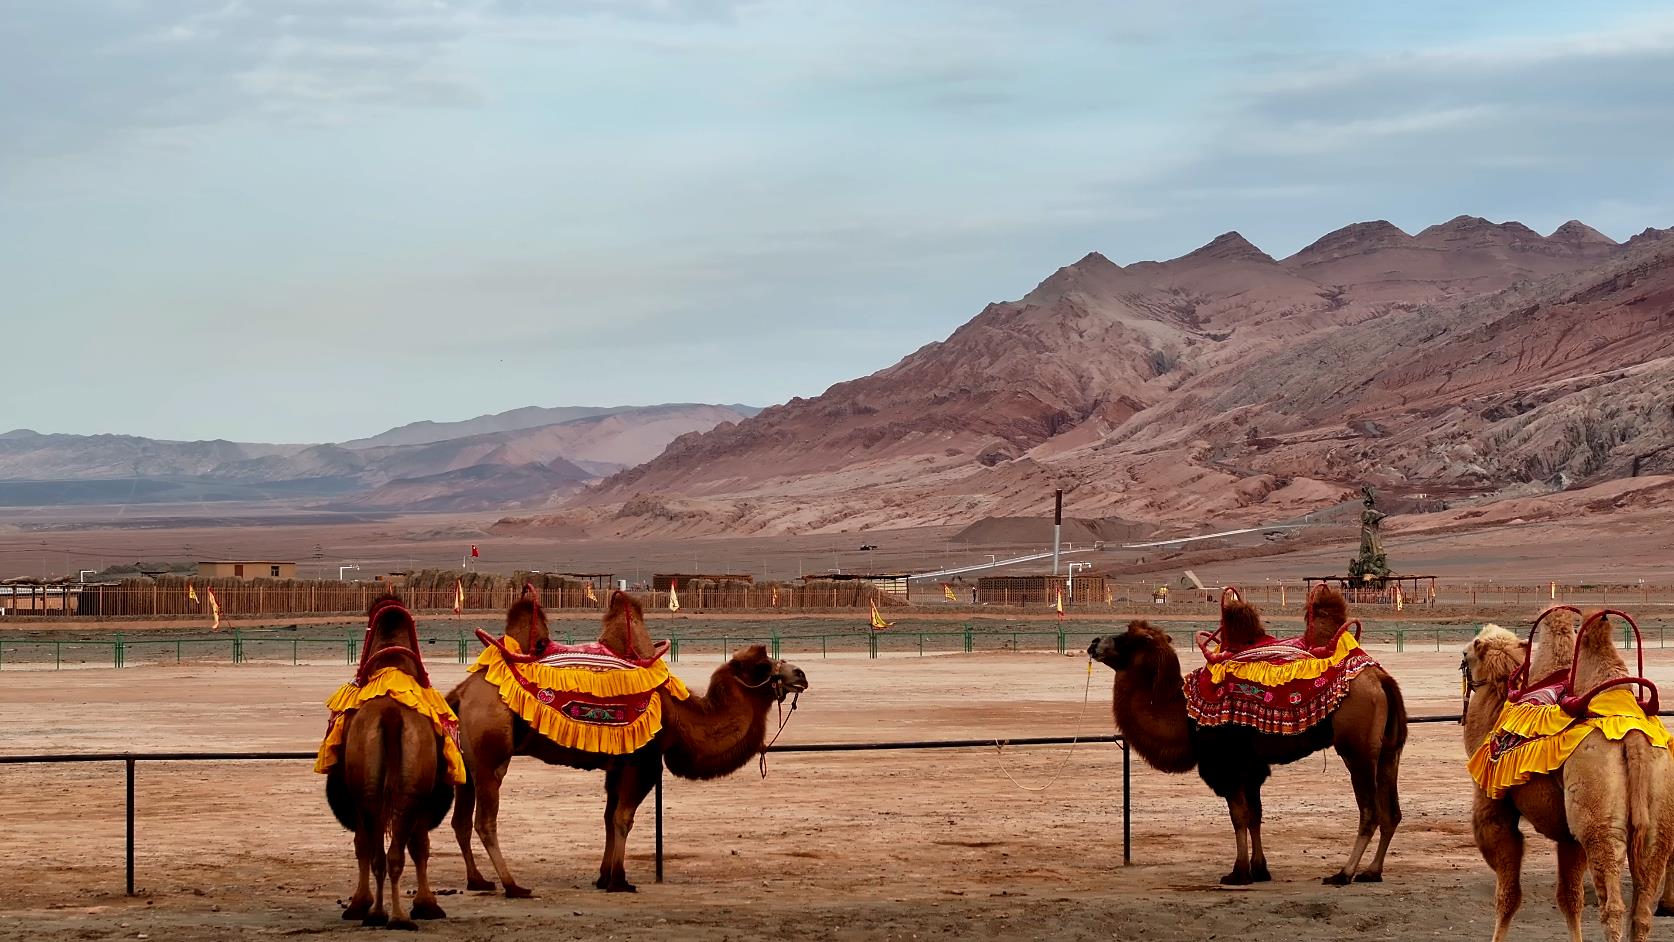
424	902
488	823
464	813
1258	857
361	903
397	861
1238	807
1598	816
1494	824
1389	811
1572	868
1362	766
628	784
375	843
1666	906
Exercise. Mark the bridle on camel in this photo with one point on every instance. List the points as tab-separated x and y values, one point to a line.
371	661
779	690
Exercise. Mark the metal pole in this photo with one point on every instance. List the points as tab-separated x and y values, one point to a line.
130	767
1127	805
1057	527
659	821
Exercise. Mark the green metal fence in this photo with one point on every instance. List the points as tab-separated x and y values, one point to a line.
240	646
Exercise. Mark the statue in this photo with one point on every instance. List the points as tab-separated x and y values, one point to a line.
1370	564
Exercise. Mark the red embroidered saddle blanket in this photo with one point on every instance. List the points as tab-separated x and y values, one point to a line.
1280	688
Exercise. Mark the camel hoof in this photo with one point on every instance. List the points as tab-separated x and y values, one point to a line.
375	919
1665	909
357	910
404	925
621	886
480	886
1369	876
1340	878
1236	878
513	891
1259	874
427	909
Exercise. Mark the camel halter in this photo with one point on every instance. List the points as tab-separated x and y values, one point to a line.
777	684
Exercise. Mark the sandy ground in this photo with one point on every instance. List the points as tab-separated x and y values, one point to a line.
885	845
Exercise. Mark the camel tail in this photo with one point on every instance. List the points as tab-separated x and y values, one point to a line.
1647	785
1395	725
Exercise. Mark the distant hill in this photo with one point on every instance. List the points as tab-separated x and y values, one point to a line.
46	470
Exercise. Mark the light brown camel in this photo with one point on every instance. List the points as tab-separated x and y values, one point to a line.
703	737
391	778
1593	808
1368	729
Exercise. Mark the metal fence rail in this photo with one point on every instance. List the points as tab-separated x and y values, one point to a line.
130	759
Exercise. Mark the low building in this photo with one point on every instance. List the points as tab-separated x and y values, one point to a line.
889	583
1035	591
246	569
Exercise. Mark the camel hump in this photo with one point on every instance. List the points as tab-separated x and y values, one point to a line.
1596	657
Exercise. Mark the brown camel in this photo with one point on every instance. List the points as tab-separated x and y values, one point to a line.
1368	729
391	778
703	737
1607	798
1325	612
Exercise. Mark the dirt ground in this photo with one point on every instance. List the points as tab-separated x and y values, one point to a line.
875	845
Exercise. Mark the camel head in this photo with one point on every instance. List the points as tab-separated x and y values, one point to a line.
753	669
1492	657
1138	649
624	627
1325	612
526	624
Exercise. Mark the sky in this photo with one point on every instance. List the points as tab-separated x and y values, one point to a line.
310	220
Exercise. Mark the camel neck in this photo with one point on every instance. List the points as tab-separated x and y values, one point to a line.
715	734
1482	712
1151	712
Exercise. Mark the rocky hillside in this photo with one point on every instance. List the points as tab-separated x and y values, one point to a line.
1471	358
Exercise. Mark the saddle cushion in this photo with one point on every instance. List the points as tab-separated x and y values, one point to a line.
1534	736
406	690
1277	688
584	697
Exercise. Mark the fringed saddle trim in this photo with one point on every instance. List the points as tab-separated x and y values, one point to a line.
611	712
405	690
1275	665
1532	739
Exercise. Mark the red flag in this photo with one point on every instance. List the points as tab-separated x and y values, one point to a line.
474	553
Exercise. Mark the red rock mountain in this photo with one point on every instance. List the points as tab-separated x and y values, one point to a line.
1473	357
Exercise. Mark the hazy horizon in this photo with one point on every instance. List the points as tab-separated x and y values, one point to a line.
282	221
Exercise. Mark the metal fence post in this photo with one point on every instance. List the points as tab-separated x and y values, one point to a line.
116	652
129	762
775	644
659	822
1127	805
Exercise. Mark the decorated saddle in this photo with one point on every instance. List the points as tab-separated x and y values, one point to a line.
1541	725
1278	686
582	696
374	679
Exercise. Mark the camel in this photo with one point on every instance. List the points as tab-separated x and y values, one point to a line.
1325	611
1608	798
392	777
702	737
1368	729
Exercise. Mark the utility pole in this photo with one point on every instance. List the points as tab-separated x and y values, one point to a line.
1057	527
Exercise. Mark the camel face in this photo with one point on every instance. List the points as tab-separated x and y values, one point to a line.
788	678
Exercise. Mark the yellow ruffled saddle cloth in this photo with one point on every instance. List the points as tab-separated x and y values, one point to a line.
407	691
1536	736
585	696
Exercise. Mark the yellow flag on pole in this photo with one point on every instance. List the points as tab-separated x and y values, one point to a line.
458	596
214	611
1400	600
878	623
673	597
588	588
1554	590
1059	604
775	601
191	593
947	593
